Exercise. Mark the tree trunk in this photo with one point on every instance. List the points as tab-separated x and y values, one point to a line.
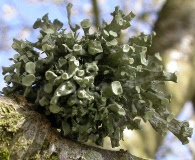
25	134
175	40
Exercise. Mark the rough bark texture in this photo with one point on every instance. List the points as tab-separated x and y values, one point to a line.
25	134
175	40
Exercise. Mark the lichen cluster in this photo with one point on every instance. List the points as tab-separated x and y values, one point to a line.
92	86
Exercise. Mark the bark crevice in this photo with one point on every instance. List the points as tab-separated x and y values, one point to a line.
26	134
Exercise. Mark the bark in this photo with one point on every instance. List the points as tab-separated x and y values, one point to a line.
96	13
26	134
175	40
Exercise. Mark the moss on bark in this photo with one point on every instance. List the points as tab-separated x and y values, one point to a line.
25	134
4	154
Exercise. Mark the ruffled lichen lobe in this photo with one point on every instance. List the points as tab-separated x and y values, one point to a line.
89	87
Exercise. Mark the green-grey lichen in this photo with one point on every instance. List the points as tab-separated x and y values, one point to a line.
92	87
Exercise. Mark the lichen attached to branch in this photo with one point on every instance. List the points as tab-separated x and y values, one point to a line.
92	87
25	134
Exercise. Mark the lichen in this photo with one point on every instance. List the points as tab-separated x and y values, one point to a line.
92	86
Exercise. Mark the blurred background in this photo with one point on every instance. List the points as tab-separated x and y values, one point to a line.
18	16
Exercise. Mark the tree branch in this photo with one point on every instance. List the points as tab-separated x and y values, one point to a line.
26	134
96	13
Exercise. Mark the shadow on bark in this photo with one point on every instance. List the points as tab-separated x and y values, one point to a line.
26	134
